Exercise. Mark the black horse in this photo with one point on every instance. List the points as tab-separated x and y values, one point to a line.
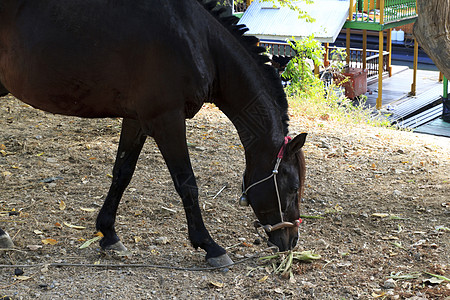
154	63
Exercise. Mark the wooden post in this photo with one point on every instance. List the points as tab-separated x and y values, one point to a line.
381	11
380	70
249	2
441	76
364	49
347	42
416	54
350	11
347	46
389	49
326	62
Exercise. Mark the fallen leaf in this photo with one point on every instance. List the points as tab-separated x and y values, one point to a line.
433	280
22	277
380	215
278	291
6	173
49	242
89	242
74	226
62	205
34	247
88	209
216	284
137	239
391	237
375	295
38	232
57	224
264	278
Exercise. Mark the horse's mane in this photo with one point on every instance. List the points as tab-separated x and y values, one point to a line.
250	43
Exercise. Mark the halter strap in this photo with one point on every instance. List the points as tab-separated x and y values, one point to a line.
283	148
282	224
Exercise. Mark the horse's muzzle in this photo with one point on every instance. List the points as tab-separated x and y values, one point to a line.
283	235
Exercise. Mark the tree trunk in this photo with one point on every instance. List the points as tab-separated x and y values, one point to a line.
432	31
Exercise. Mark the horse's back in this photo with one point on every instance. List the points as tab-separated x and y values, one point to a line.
104	58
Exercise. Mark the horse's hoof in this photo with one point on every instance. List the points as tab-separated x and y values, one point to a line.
117	246
5	241
220	261
118	249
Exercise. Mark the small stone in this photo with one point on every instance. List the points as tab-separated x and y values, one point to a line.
325	145
322	244
162	240
389	284
396	193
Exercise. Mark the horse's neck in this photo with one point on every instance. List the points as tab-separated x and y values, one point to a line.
243	95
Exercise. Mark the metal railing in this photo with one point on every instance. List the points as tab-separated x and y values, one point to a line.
381	11
372	61
356	57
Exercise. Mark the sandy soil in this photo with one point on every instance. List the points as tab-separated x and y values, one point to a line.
383	195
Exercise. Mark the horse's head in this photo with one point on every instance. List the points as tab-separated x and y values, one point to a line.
275	198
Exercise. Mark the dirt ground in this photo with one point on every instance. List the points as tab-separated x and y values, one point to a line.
383	197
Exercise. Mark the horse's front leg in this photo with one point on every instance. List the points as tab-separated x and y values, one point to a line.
131	141
170	135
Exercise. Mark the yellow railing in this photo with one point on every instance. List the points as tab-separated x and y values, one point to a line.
381	11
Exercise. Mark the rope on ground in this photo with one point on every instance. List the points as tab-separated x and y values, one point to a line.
152	266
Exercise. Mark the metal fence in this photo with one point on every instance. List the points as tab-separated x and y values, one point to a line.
372	61
382	11
356	57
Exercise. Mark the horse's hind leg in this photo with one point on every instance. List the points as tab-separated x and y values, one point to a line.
131	141
170	134
5	240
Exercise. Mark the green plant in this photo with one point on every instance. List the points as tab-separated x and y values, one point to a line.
299	70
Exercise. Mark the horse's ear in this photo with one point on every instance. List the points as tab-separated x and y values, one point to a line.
296	144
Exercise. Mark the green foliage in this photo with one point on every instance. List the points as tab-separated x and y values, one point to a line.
299	70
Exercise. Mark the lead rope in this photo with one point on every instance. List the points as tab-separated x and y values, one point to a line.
275	172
